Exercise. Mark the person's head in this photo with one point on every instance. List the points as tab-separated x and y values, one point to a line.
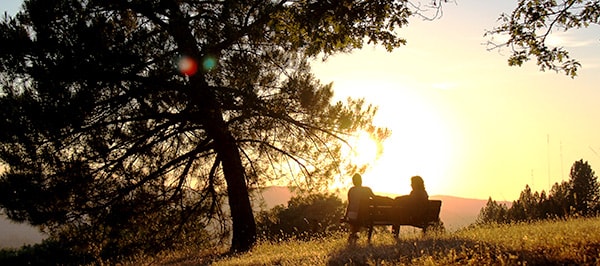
357	180
416	182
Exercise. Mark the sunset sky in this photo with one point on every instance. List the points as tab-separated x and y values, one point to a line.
460	117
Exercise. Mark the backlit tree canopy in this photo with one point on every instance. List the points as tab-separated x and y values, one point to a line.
117	114
532	21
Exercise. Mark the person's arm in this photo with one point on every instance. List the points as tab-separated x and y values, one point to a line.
345	217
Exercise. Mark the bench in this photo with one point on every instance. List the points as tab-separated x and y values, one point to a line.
385	211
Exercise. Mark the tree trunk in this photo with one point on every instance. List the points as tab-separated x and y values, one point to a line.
244	226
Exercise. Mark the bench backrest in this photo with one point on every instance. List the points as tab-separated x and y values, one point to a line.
385	210
433	212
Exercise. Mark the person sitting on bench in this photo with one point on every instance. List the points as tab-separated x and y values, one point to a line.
418	193
358	206
417	199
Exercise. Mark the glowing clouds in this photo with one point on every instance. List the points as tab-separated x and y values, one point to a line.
189	66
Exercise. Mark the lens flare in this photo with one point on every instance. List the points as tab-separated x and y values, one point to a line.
187	66
209	63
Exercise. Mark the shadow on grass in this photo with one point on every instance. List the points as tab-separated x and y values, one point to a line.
455	251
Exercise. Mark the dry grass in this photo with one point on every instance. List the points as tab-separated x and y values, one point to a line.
573	242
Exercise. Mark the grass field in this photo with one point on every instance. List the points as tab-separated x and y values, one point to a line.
572	242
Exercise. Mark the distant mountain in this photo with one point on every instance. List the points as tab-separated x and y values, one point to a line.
271	196
14	235
459	212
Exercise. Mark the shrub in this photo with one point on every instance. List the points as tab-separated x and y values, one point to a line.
305	217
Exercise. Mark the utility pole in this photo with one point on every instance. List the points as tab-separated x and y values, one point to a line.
532	179
562	167
548	158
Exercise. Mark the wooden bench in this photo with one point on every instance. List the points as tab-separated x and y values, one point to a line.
385	211
388	213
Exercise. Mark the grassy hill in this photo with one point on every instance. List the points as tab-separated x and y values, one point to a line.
456	213
572	242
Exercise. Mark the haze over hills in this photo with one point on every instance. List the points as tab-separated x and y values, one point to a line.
459	212
14	235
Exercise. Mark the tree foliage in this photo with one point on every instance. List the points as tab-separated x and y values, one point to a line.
580	196
307	216
532	21
493	212
584	190
121	115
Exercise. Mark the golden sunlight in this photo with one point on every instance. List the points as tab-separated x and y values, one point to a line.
363	149
418	146
422	142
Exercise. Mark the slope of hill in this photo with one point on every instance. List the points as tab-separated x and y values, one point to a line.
459	212
14	235
541	243
456	213
270	197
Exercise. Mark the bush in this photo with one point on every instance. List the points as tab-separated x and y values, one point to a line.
305	217
49	252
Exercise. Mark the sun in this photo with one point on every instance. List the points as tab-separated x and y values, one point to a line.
422	142
426	136
363	149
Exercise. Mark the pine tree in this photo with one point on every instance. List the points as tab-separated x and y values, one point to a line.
584	188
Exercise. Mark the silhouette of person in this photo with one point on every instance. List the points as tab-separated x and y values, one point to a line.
417	199
418	193
359	198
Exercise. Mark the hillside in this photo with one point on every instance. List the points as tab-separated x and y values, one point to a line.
572	242
456	213
459	212
13	235
271	196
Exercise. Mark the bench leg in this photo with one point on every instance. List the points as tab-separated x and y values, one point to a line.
370	233
396	230
352	238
